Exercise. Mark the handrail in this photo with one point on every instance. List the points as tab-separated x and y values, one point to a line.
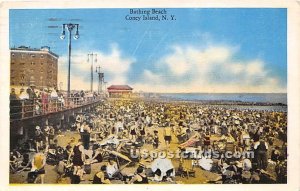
21	109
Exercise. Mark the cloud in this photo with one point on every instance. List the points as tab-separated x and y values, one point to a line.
214	68
210	69
114	65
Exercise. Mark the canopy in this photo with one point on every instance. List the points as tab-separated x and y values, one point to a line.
163	164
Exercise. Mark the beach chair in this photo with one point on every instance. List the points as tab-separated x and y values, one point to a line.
186	169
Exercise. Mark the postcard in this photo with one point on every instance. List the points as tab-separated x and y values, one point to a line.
163	95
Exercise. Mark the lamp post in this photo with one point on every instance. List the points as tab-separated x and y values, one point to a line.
100	80
93	58
98	72
70	28
105	86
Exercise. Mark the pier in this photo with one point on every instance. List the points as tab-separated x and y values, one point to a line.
26	114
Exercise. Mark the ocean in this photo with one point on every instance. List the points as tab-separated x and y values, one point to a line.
272	98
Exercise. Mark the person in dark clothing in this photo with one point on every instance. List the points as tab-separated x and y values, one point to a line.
155	140
39	137
85	131
275	154
78	159
261	150
101	176
140	177
281	170
142	133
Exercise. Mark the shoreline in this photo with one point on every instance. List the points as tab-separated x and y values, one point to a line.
204	102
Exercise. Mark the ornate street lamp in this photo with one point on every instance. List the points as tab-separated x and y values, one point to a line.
70	28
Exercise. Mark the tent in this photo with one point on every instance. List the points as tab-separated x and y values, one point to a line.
111	139
163	164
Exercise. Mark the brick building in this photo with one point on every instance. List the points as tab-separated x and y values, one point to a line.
120	91
33	67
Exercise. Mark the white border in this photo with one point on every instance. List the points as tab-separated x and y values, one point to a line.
293	49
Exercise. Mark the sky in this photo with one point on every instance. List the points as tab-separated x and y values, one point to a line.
204	50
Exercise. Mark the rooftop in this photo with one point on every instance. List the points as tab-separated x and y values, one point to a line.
43	49
119	87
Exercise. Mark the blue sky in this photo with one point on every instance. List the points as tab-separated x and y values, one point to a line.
203	50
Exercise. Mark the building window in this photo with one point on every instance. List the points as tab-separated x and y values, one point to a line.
42	56
32	63
13	83
32	55
22	55
12	63
42	71
12	55
42	63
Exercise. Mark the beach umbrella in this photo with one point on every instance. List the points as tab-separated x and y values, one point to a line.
206	163
120	155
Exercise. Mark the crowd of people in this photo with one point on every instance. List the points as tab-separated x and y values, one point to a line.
118	130
32	101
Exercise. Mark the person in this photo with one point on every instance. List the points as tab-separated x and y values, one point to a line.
261	150
112	169
101	176
133	132
61	100
118	126
155	139
45	101
140	177
275	154
167	135
81	129
51	134
37	107
97	156
247	165
38	138
85	136
38	166
206	140
149	138
46	136
79	120
142	132
78	159
70	146
195	139
15	161
281	170
13	95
